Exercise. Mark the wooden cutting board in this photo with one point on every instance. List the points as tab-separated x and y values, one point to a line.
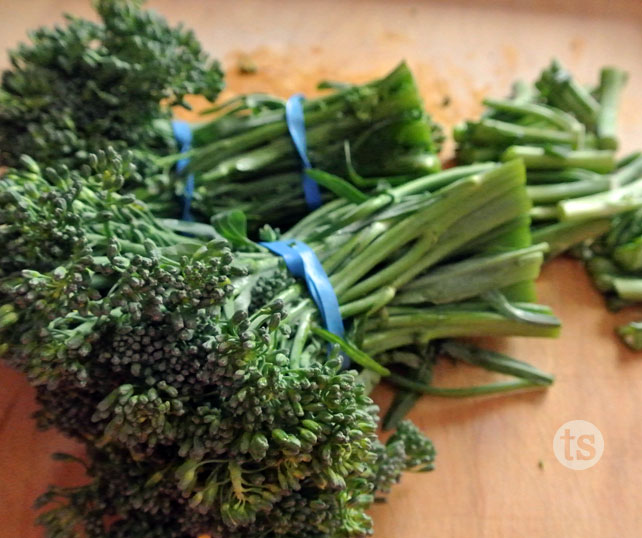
496	474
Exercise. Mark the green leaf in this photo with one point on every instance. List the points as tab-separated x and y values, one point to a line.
232	225
461	392
495	362
497	300
199	229
353	352
337	185
61	456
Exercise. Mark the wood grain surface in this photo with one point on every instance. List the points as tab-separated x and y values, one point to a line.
496	472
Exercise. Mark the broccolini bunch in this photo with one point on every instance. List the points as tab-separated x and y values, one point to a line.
373	134
134	350
81	87
214	396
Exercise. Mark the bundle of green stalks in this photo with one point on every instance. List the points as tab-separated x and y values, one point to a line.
373	134
585	200
566	135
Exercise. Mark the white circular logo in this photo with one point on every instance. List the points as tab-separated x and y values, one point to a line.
578	445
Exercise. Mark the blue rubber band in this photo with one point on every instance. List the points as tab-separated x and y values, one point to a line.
183	136
302	262
295	121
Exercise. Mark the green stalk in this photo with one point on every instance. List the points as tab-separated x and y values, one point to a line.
368	304
355	245
438	180
604	204
512	234
214	164
628	171
562	91
420	326
602	161
468	154
548	194
496	132
562	236
628	288
631	335
472	277
488	217
555	117
323	226
405	400
303	331
496	362
460	392
566	175
492	188
629	255
437	216
612	82
543	212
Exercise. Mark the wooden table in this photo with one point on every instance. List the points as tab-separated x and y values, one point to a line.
496	472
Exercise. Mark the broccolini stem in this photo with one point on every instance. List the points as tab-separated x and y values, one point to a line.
627	171
472	277
563	235
555	117
496	362
461	392
405	399
631	335
551	193
369	303
451	203
612	81
298	344
602	161
496	132
562	91
543	212
422	326
628	288
438	180
602	204
567	175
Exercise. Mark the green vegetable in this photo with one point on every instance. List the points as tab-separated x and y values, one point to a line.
206	398
612	81
566	137
614	263
85	86
374	134
631	335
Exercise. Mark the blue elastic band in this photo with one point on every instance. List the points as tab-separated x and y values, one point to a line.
296	126
302	262
183	136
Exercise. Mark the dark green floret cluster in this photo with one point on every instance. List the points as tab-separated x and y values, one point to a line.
84	86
